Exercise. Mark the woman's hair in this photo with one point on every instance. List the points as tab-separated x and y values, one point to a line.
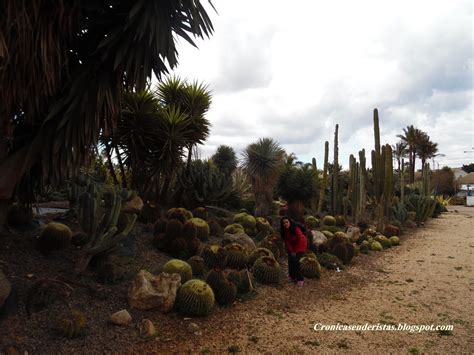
292	226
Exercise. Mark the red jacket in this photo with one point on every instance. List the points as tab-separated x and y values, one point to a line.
295	243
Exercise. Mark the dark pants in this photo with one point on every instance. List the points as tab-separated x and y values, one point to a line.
294	269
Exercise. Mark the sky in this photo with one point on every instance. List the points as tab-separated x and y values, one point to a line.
293	70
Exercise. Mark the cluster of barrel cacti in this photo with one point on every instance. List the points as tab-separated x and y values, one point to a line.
180	234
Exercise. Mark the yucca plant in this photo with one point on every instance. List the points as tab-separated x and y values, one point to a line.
64	69
263	161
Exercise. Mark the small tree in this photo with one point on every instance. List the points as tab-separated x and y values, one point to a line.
225	159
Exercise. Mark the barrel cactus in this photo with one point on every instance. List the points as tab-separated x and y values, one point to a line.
159	226
215	228
197	265
80	239
263	225
257	253
332	229
340	221
329	220
195	298
236	256
201	212
376	246
189	230
202	228
364	248
383	240
394	241
234	228
267	270
344	251
312	222
270	243
329	261
214	256
327	234
174	229
71	325
54	236
179	267
310	267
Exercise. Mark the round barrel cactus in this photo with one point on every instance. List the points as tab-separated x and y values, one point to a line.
329	220
383	240
394	241
202	228
195	298
234	228
71	325
201	212
236	256
180	267
310	267
376	246
54	236
197	265
214	256
311	222
257	253
267	270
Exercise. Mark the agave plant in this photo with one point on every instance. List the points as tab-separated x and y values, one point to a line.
263	161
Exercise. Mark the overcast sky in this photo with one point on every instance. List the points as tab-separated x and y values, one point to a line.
292	70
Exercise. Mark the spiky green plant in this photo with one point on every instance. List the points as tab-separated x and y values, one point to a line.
310	267
262	161
324	182
54	236
267	270
195	298
179	267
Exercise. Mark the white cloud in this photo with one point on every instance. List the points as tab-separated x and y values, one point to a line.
293	70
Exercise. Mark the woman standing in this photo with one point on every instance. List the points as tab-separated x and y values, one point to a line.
296	245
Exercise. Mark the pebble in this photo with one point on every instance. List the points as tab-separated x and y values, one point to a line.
121	318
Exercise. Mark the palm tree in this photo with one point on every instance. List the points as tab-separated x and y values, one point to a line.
64	69
412	136
263	161
399	152
426	150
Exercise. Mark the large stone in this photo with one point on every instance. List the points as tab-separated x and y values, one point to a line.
135	205
318	238
148	291
239	238
121	318
5	288
353	233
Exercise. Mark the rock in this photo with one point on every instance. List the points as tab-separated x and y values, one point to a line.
5	288
147	328
193	328
121	318
353	233
135	205
318	238
239	238
153	292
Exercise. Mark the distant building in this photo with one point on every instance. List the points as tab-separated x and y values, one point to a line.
458	173
465	185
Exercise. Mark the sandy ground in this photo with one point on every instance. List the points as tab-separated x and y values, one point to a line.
427	280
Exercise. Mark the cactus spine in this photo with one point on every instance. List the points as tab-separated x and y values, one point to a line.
322	190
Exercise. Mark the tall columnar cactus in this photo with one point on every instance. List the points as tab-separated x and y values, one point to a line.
335	193
426	179
322	190
376	158
98	213
314	200
402	182
353	191
362	182
388	181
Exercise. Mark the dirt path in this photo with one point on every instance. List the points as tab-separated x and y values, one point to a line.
427	280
